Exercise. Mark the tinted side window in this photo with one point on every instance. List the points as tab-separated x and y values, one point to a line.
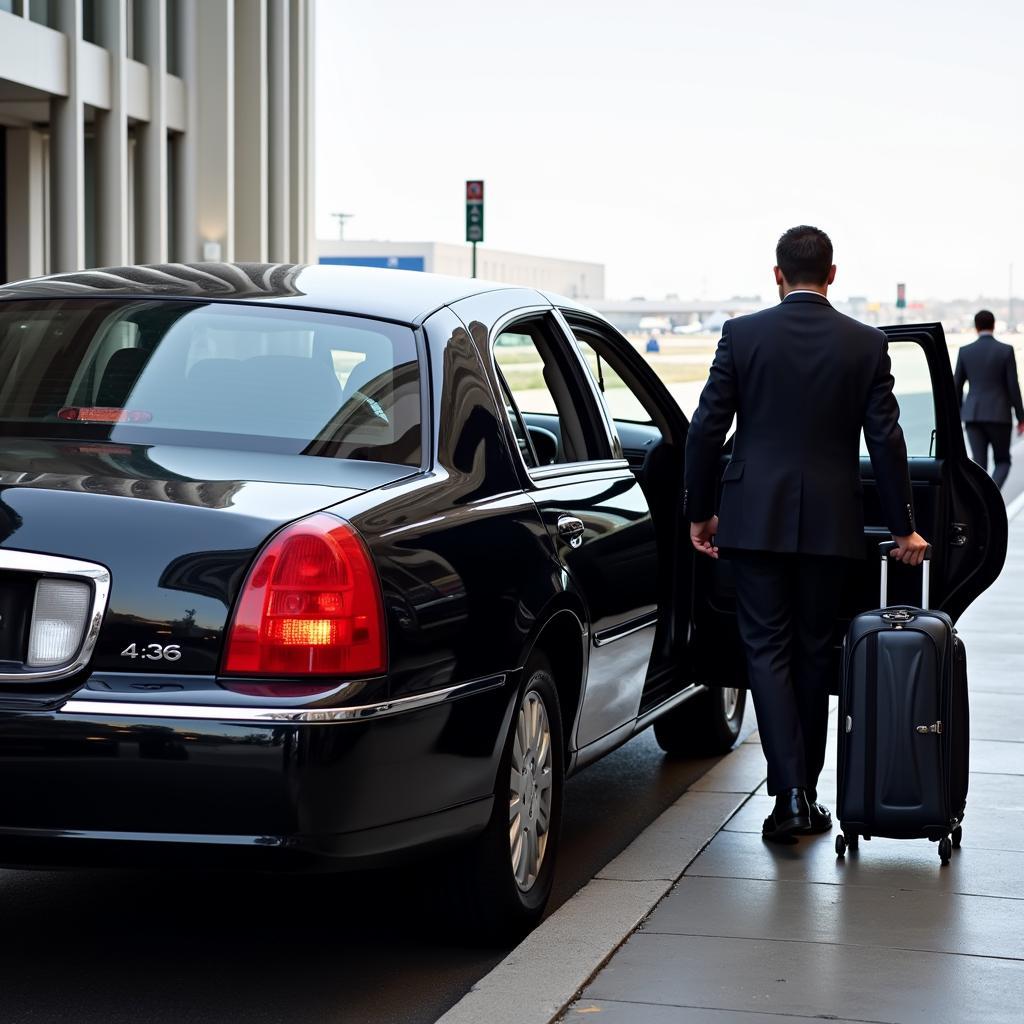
542	380
913	390
622	401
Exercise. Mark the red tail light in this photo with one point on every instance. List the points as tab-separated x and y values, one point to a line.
311	605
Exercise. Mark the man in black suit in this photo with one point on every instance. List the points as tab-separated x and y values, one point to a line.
802	381
989	367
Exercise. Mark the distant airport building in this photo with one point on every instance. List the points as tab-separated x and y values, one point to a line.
141	131
675	314
572	278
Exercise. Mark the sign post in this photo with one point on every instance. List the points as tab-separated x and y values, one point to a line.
474	215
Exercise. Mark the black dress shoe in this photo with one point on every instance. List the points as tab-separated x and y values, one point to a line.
790	818
821	819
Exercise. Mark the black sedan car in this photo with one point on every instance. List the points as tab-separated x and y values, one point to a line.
320	566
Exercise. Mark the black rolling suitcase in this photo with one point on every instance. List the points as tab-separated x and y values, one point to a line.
903	725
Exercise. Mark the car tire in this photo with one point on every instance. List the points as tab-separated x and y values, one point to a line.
501	904
703	725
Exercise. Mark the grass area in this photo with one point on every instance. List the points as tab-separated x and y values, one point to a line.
511	355
531	377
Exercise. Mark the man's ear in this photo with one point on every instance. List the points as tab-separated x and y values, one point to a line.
831	274
779	279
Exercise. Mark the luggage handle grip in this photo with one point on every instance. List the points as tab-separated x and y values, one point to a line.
884	549
888	546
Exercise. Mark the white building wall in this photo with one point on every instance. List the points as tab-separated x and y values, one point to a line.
573	278
217	158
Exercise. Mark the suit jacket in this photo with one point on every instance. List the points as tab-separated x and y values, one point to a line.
990	367
802	380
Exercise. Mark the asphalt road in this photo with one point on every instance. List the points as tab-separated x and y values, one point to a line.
195	948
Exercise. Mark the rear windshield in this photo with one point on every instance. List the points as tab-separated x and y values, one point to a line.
215	375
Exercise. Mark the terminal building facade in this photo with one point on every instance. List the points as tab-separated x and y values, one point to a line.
143	131
572	278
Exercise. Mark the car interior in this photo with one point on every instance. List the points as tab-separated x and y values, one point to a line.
296	382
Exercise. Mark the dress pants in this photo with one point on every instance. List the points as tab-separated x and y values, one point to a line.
786	606
980	435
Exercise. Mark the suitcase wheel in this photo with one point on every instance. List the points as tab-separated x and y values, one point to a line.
945	849
958	834
845	842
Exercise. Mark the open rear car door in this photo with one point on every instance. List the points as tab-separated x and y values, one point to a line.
958	509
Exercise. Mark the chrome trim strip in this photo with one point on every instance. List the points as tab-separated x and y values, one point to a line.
549	474
617	633
668	704
314	716
196	838
54	565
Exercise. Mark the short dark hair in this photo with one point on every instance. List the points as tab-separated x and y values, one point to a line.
804	255
984	320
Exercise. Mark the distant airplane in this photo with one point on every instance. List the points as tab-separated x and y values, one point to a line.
716	321
693	327
655	323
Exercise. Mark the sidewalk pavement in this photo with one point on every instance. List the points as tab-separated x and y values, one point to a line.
760	934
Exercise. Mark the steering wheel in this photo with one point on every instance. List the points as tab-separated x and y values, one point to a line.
545	444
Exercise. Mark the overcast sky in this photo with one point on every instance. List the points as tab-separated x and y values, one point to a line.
673	140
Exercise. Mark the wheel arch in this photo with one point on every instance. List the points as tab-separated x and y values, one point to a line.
562	638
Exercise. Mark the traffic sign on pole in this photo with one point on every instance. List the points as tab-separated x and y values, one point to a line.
474	211
474	215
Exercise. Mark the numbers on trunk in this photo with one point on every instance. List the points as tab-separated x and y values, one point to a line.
153	652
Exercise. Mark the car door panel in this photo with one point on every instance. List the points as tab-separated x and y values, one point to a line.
969	528
650	429
610	563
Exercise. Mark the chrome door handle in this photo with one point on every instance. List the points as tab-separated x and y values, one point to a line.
571	528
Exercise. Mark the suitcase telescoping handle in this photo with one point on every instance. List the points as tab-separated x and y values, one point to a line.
926	576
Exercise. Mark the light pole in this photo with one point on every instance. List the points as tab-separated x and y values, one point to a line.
341	218
1009	305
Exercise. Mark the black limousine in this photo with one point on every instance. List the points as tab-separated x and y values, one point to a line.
311	566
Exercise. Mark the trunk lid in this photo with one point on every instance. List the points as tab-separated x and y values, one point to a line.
177	527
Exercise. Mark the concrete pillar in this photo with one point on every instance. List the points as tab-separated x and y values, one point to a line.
251	235
299	67
112	218
214	132
307	254
278	132
183	204
26	212
151	154
67	151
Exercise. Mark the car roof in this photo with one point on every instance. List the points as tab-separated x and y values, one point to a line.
407	296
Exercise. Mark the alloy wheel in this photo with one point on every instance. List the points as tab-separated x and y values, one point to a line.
530	790
730	701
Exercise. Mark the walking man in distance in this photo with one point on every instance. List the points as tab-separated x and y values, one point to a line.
989	368
802	381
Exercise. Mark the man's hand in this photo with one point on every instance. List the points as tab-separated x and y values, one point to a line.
702	534
911	549
1020	427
